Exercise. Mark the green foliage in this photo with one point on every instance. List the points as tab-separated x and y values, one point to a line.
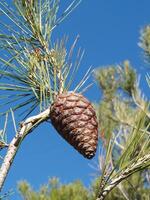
54	190
33	69
123	126
145	41
117	84
124	133
133	188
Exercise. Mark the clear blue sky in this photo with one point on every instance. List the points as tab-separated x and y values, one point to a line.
109	33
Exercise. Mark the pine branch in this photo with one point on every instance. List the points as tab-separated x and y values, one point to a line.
145	42
40	69
26	127
124	128
140	164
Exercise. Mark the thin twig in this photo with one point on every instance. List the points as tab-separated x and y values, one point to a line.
25	128
140	164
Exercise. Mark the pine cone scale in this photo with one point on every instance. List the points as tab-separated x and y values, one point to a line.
75	120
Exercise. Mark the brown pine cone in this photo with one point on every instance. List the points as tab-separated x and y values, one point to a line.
74	118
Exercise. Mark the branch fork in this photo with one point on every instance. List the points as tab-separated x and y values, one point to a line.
25	128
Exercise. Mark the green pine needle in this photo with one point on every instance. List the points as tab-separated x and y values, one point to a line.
32	68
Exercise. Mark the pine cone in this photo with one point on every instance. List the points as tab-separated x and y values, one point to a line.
74	118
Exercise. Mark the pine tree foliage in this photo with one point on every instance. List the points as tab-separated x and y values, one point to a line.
124	134
54	190
35	67
124	122
145	41
145	45
34	70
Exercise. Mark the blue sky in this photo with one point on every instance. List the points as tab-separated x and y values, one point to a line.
109	33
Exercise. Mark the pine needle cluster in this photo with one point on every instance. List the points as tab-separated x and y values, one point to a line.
36	69
124	126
